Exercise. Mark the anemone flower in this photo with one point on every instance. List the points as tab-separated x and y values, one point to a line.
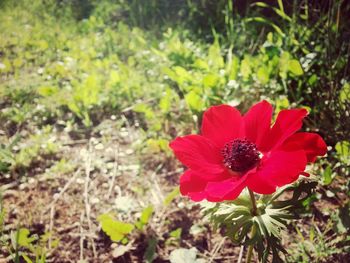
235	151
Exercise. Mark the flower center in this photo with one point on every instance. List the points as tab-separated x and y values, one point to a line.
240	155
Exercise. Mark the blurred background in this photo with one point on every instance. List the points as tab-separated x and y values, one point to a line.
91	92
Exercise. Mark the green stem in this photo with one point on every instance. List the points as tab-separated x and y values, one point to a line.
249	253
252	198
252	233
251	247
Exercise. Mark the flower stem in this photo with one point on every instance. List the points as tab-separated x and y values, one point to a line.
252	198
249	253
254	212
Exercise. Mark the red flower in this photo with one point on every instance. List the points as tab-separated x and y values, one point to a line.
235	151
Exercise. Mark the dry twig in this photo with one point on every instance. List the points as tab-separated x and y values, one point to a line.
86	199
115	171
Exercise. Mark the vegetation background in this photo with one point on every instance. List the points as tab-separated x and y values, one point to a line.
92	91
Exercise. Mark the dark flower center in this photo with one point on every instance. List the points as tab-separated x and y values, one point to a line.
240	155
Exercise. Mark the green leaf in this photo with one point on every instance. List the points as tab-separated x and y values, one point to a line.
265	21
194	101
312	80
263	75
114	77
151	249
171	196
23	238
214	56
281	103
165	101
145	109
246	67
20	238
176	233
145	216
115	229
343	151
47	91
343	222
170	73
26	258
344	95
182	75
210	80
201	64
295	68
327	175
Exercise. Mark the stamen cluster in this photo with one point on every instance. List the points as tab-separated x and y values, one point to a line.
240	155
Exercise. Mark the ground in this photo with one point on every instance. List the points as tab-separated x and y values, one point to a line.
107	174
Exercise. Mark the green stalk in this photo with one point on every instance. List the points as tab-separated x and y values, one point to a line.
252	198
250	252
252	233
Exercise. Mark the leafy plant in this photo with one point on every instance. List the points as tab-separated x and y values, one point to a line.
260	228
115	229
30	248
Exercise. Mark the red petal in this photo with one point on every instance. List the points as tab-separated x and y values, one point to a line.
278	169
228	189
287	123
189	183
193	185
257	121
305	174
197	196
311	143
221	124
257	183
199	154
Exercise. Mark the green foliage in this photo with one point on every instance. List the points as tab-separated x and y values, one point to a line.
30	248
343	151
145	217
115	229
171	196
317	246
6	154
176	233
261	228
37	145
150	253
2	216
